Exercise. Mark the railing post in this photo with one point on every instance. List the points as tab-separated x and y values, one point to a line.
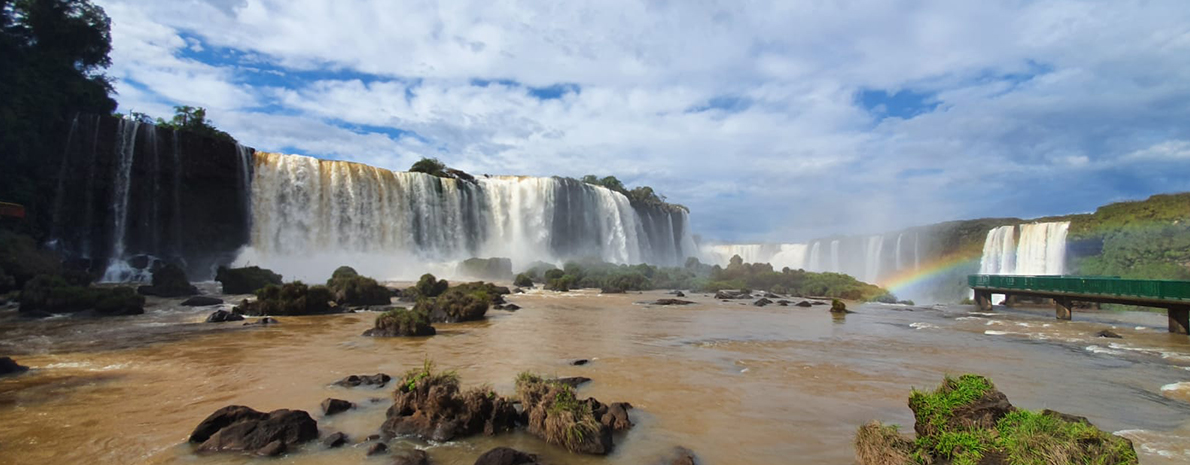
983	299
1179	319
1062	306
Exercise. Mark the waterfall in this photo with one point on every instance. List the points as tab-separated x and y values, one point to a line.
792	256
834	256
1041	249
872	258
898	252
916	251
118	270
815	260
310	216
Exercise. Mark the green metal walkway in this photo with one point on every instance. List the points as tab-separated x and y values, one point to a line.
1174	296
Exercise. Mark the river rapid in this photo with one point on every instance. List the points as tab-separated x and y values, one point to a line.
737	384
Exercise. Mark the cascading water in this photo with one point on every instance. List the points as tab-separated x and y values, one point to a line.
792	256
872	258
310	216
898	252
815	260
1041	250
118	270
834	256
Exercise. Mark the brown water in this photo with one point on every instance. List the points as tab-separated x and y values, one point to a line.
737	384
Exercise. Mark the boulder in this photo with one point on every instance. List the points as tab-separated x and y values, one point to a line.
762	302
770	295
1109	334
672	302
679	456
220	316
806	303
333	406
9	366
377	380
506	456
726	295
201	301
411	457
334	440
554	413
511	307
580	362
241	429
613	415
817	303
349	288
837	306
377	449
573	381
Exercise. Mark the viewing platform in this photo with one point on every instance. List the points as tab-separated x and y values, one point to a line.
1174	296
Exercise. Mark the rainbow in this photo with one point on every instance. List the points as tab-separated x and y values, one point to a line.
909	278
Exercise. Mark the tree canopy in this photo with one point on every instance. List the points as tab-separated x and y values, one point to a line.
643	195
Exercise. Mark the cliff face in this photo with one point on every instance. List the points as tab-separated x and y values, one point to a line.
132	191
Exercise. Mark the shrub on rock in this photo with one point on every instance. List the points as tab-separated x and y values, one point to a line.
53	294
429	286
429	404
967	421
401	322
169	280
245	280
289	299
349	288
556	415
523	280
486	268
455	305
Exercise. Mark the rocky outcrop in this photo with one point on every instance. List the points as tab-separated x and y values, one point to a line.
671	302
334	406
506	456
838	307
377	380
1109	334
349	288
333	440
806	303
54	294
431	406
9	366
762	302
201	301
169	280
728	295
288	299
496	269
554	413
241	429
411	457
400	322
246	280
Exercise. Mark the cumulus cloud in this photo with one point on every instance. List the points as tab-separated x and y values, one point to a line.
749	113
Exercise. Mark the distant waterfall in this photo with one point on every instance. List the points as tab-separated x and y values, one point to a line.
863	257
834	256
898	251
117	269
872	258
1041	249
311	215
815	260
792	256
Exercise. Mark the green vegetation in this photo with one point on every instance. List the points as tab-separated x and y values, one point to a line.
288	299
402	322
430	166
556	414
21	260
643	195
455	305
523	280
429	286
169	280
245	280
740	275
966	421
349	288
54	294
429	376
487	268
190	119
52	57
1147	239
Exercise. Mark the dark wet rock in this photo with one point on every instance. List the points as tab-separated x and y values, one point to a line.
169	280
1109	333
241	429
372	437
679	294
272	449
377	380
377	449
782	304
817	303
511	307
220	316
201	301
518	290
580	362
506	456
805	303
726	295
837	306
770	295
10	366
411	457
333	406
679	456
573	381
334	440
613	415
245	280
266	321
762	302
672	302
431	406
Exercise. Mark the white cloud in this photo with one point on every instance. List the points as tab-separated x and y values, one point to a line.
1026	93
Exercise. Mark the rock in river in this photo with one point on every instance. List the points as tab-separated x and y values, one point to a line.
237	428
377	380
506	456
333	406
220	316
10	366
201	301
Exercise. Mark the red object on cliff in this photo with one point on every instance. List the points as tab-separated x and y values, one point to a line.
12	209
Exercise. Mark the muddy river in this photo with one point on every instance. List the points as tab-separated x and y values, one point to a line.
737	384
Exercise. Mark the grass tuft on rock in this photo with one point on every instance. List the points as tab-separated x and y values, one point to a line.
401	322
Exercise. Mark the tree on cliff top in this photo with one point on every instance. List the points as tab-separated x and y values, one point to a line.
52	57
194	119
430	166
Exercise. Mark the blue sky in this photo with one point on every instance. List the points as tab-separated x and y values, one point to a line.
772	121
